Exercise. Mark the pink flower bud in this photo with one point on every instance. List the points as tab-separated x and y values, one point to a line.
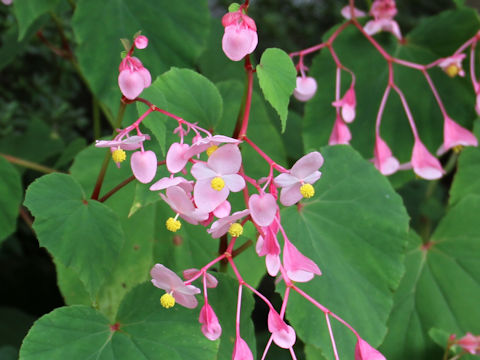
455	135
305	89
144	165
364	351
425	164
210	326
340	133
141	42
241	351
240	37
283	335
262	208
383	160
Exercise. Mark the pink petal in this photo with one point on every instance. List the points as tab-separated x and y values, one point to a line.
189	301
226	159
222	210
166	182
206	198
178	199
285	180
145	74
262	208
131	83
425	164
211	327
283	335
141	42
165	278
372	27
347	14
175	157
221	226
364	351
234	182
201	171
298	266
470	343
383	160
144	165
307	165
454	135
272	262
212	282
291	195
340	133
241	351
305	89
238	41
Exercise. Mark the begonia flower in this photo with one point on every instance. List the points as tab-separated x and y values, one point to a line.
374	26
470	343
210	326
129	143
176	290
305	89
262	208
209	144
224	225
298	266
425	164
455	135
383	9
296	184
144	165
133	77
347	105
283	335
267	245
182	204
217	177
347	13
364	351
240	37
166	182
176	159
241	351
383	159
340	133
211	281
452	65
141	42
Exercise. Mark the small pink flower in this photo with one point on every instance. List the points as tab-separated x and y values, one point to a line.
304	171
347	14
283	335
267	245
305	89
470	343
340	133
455	135
133	77
425	164
452	65
383	9
262	208
210	326
221	226
241	351
141	42
176	159
374	26
166	182
201	144
347	104
240	37
217	177
129	143
144	165
364	351
167	280
298	266
383	160
212	282
181	203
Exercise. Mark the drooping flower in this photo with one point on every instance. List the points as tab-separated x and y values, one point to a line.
364	351
383	9
283	335
383	159
176	290
210	326
347	13
470	343
340	133
455	135
298	266
182	204
305	89
240	37
347	105
425	164
241	351
144	165
133	77
228	224
262	208
267	245
452	65
296	184
383	12
212	282
217	177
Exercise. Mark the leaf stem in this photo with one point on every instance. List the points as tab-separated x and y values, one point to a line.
28	164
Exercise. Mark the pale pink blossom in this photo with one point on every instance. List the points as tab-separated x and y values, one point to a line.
347	105
364	351
241	351
383	9
167	280
166	182
452	65
267	245
240	37
182	204
470	343
221	226
7	2
144	165
383	159
217	177
212	282
201	144
374	26
141	42
340	133
347	13
129	143
262	208
133	77
305	89
283	335
298	266
455	135
304	171
210	326
425	164
223	209
176	159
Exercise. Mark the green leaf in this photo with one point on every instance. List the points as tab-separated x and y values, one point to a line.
82	234
277	77
233	7
14	326
439	336
10	197
442	277
146	331
354	229
28	11
177	33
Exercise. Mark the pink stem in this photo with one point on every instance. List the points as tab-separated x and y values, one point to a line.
381	109
237	273
265	300
337	88
267	347
332	338
435	93
407	111
409	64
472	67
204	269
239	307
248	102
265	156
292	353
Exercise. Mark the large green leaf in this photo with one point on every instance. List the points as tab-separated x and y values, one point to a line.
10	197
277	76
441	286
146	331
82	234
28	11
354	229
177	33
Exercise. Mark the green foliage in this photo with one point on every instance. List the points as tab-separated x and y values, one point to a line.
28	11
10	197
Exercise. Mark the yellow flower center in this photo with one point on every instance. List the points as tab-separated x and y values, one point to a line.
119	155
217	183
307	191
235	230
452	70
457	149
211	149
173	225
167	300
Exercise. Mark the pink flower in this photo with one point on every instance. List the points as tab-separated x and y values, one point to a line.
267	245
425	164
176	159
452	65
223	209
262	208
305	89
181	203
144	165
303	172
222	226
141	42
202	144
129	143
364	351
347	104
240	37
383	9
217	177
133	77
210	326
241	351
167	280
347	14
7	2
212	282
166	182
383	160
374	26
470	343
283	335
455	135
340	133
298	266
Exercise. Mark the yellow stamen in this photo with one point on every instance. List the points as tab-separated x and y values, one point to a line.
235	230
452	70
457	149
173	225
217	183
211	149
307	191
119	155
167	300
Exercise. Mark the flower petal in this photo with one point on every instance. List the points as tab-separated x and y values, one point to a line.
307	164
144	165
226	160
206	198
262	208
